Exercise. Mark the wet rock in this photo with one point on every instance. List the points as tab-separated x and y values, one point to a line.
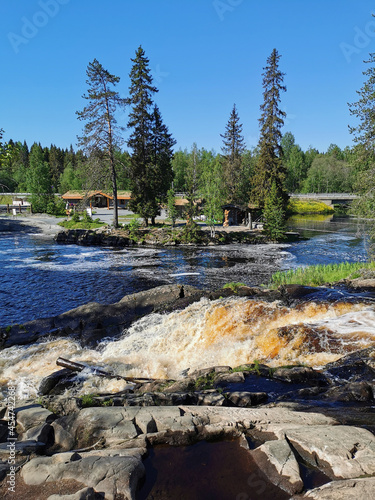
354	391
340	451
225	379
245	399
257	369
277	461
207	371
92	322
357	366
58	382
211	398
300	374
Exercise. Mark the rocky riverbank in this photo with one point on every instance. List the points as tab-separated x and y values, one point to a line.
297	432
156	237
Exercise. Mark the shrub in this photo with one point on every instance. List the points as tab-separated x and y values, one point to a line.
234	286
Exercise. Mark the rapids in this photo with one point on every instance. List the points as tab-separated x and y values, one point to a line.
230	331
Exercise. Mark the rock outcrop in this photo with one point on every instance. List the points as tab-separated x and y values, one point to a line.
107	447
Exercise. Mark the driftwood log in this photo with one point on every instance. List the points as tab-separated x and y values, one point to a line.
78	367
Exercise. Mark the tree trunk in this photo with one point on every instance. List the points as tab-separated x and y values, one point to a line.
152	221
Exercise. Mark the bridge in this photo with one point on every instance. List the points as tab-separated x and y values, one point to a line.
328	198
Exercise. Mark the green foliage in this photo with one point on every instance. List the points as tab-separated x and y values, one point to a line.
213	192
47	204
150	170
234	286
274	215
101	125
89	401
190	233
319	275
38	177
233	148
270	168
329	174
296	206
172	211
205	382
85	223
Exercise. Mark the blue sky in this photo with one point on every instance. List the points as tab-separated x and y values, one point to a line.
205	56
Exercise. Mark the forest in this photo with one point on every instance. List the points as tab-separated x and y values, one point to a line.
149	165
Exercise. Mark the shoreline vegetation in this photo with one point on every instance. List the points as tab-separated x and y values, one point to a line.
329	274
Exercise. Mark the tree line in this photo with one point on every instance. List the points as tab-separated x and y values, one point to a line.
147	165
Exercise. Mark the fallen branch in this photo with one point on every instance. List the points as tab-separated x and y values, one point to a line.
78	367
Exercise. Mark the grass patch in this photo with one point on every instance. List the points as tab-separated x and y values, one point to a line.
234	286
89	401
84	222
5	199
296	206
70	224
320	274
130	216
205	382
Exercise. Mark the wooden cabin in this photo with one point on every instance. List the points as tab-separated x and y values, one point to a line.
238	215
98	199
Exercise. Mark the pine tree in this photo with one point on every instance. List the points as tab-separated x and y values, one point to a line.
233	148
141	93
101	132
270	166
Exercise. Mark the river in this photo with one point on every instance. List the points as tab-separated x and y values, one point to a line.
40	278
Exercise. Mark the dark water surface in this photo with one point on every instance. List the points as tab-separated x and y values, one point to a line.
39	278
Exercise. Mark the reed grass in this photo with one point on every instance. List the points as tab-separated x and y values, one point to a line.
320	274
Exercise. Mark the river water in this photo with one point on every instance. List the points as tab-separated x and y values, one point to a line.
40	278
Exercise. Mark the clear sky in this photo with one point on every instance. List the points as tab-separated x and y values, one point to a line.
205	55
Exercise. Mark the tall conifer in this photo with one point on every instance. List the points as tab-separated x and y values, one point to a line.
270	166
101	136
141	93
233	148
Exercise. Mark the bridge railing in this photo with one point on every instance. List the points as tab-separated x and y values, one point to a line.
348	196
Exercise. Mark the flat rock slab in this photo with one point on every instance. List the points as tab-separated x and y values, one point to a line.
264	419
342	451
349	489
111	475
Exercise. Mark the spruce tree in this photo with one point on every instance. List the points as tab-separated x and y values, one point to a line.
141	93
101	132
274	215
160	170
270	166
233	148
